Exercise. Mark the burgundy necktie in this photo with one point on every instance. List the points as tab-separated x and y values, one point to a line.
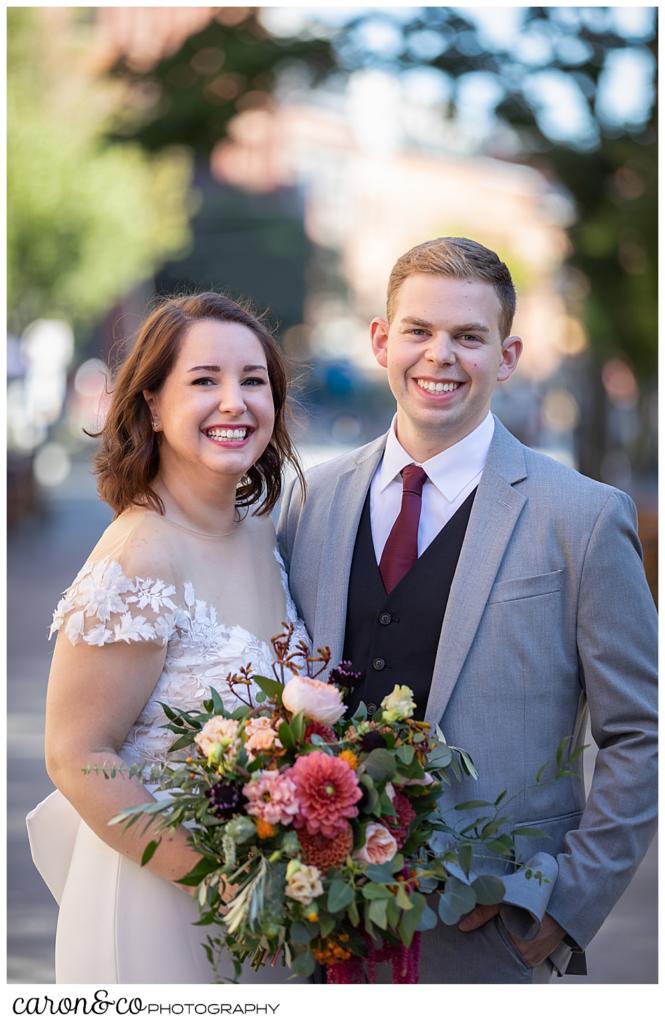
401	550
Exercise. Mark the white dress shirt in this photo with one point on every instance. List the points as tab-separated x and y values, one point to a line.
451	476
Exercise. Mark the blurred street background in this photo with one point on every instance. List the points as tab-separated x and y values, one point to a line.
288	156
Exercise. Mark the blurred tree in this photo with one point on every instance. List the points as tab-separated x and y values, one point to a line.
605	160
87	220
189	97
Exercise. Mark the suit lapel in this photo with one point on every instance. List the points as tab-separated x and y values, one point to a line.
338	544
496	509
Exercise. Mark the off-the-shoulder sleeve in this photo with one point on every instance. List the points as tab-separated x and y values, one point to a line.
104	605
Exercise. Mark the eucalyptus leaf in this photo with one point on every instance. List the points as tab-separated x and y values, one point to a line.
381	872
378	913
440	757
379	764
456	900
303	964
372	891
489	889
402	899
360	714
427	921
340	896
299	933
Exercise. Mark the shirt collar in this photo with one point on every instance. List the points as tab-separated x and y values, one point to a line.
451	470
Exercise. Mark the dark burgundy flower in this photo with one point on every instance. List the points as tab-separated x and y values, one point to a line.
372	741
324	731
225	799
344	677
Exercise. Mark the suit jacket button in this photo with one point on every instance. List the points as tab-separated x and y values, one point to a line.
371	709
385	618
378	664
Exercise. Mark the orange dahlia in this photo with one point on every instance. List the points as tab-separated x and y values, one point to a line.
325	853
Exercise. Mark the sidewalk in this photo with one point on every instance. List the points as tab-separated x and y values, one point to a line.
43	558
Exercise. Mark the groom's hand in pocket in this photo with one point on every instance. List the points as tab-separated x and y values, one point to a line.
539	948
532	952
478	917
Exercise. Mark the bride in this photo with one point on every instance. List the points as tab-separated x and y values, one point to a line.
184	587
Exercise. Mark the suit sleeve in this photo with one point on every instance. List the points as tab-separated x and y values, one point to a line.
616	641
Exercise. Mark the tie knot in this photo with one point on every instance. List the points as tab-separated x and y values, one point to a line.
413	479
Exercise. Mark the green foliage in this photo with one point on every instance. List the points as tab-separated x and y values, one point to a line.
488	889
456	900
270	687
88	220
340	896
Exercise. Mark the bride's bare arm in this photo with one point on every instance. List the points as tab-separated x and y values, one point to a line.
95	694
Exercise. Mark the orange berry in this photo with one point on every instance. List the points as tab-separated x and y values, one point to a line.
264	829
350	758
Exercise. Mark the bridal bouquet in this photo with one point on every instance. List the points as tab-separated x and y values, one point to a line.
316	831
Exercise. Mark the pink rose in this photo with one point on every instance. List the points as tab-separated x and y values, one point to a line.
380	846
261	735
319	701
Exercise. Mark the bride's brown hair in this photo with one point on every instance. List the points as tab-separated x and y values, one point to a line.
128	458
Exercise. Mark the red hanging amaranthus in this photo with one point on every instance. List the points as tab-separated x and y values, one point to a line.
404	963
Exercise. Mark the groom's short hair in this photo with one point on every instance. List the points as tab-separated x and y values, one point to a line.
460	258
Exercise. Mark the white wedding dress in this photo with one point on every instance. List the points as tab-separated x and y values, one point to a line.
214	602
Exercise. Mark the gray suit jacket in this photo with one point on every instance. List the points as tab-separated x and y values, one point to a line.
549	621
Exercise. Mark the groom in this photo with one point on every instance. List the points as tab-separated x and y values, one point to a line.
508	592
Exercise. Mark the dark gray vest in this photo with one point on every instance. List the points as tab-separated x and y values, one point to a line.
393	638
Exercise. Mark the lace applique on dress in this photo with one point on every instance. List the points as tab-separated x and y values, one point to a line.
104	606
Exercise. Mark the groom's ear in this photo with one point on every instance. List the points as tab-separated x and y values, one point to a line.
378	332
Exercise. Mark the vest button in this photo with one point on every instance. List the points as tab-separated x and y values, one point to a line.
378	664
385	618
371	709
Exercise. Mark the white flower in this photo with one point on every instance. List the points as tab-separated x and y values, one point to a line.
319	701
218	736
398	705
304	882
